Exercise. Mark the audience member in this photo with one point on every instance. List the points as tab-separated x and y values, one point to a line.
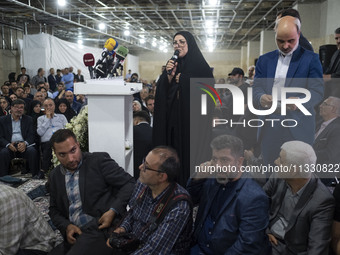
150	105
17	138
79	77
27	91
52	80
60	93
49	92
58	76
233	209
13	87
293	66
47	126
39	96
336	222
128	75
5	106
39	77
67	79
88	191
142	139
327	137
5	90
156	186
13	97
136	106
24	230
35	112
301	210
63	107
23	74
74	104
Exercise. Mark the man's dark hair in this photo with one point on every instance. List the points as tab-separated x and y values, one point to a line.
39	89
58	70
149	97
337	31
289	12
61	136
170	164
142	115
41	82
228	142
22	68
40	69
26	85
5	85
18	101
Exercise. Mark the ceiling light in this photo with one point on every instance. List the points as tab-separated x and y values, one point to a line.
210	31
61	2
154	44
101	26
213	2
127	32
80	42
209	23
142	41
211	49
165	50
210	42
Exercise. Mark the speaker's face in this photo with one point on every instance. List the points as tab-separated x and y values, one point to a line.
337	39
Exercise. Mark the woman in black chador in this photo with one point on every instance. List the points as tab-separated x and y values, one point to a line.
174	107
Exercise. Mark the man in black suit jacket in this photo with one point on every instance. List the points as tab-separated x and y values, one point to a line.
142	139
301	211
327	137
79	77
88	191
17	139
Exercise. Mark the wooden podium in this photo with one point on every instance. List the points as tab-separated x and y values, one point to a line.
110	117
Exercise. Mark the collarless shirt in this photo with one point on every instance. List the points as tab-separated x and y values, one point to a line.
16	130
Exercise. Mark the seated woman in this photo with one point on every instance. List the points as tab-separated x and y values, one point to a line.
64	107
5	107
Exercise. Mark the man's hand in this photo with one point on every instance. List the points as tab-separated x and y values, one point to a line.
12	147
177	77
266	101
106	219
203	172
22	147
291	107
49	114
326	77
119	230
272	239
71	230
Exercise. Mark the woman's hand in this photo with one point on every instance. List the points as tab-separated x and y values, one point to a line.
171	66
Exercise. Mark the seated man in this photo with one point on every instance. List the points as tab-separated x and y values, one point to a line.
74	104
23	229
47	125
17	139
327	137
88	191
156	186
302	207
233	209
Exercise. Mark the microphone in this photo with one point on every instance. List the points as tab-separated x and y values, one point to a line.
109	47
110	44
174	58
121	54
88	60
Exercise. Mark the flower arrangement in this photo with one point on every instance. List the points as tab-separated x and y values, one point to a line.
79	126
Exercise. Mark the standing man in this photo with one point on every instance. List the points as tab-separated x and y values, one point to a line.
39	77
333	71
150	105
68	79
52	80
88	191
233	209
79	77
288	66
58	76
17	137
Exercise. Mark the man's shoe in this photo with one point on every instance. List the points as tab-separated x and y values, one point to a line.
40	175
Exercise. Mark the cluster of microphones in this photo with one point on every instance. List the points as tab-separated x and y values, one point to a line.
111	62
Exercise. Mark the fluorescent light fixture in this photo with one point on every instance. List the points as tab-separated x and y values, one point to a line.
61	2
213	2
127	32
209	23
165	50
210	31
211	49
154	44
210	42
80	42
101	26
142	41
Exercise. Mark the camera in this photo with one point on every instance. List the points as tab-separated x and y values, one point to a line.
125	243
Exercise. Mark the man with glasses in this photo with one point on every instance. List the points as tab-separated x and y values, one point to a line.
327	136
17	139
158	173
233	209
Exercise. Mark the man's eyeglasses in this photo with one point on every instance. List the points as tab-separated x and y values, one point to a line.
148	168
179	43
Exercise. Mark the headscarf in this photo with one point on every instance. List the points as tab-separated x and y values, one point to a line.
31	111
69	113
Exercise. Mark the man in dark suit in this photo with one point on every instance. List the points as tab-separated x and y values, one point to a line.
17	139
233	209
88	191
74	104
142	139
332	87
327	137
301	211
79	77
289	66
52	80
